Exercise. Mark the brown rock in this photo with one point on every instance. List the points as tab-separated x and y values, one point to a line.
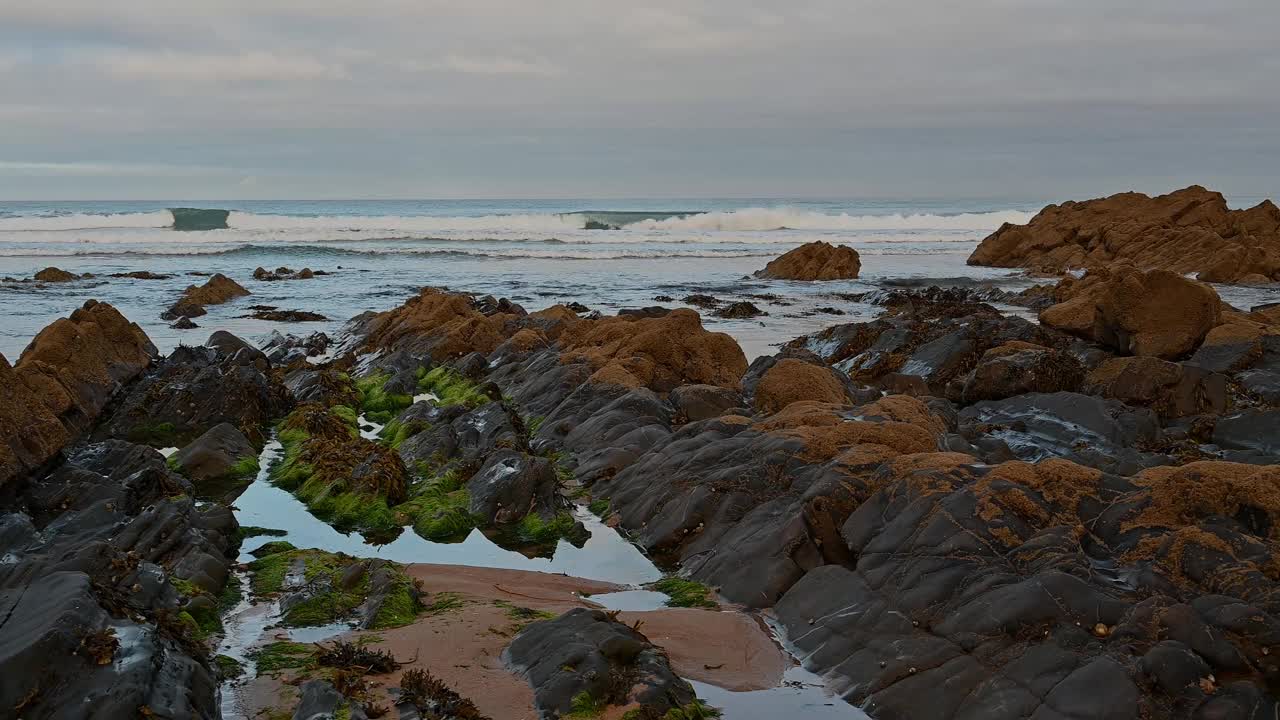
1188	231
815	261
53	274
215	291
442	324
894	425
63	380
1155	313
1173	390
661	353
791	380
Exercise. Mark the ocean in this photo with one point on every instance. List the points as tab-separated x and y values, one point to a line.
607	255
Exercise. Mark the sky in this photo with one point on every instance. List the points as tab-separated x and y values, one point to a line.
270	99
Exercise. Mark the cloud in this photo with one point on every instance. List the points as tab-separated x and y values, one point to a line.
485	65
80	79
244	66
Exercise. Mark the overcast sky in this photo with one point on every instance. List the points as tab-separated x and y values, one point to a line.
582	98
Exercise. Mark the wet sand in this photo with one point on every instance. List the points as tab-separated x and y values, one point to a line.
463	645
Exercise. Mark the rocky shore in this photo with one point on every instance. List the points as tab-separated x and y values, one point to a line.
946	512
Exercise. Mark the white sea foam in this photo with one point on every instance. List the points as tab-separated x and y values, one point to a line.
746	219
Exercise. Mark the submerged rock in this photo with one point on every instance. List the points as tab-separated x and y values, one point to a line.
55	275
814	261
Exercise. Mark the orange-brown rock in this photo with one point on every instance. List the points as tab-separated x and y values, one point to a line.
660	353
894	425
63	380
1156	312
815	261
791	380
1188	231
1172	389
445	325
1191	493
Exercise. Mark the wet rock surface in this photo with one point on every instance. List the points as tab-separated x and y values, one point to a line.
952	512
90	612
587	651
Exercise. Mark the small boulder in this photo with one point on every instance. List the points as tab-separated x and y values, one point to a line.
1154	313
791	380
1018	367
702	402
219	452
814	261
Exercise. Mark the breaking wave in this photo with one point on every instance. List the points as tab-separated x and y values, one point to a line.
757	219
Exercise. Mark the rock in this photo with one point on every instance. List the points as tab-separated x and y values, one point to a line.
216	290
221	451
587	651
321	701
927	341
435	324
287	316
1252	436
791	380
184	323
141	275
1238	343
814	261
706	302
1188	231
1016	368
702	402
1173	390
90	606
285	273
511	485
658	353
739	310
1153	313
196	388
62	382
284	350
55	275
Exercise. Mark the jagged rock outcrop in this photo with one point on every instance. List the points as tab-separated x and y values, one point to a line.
196	388
217	290
1050	590
814	261
62	382
1187	231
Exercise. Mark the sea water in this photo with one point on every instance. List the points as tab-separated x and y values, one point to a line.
606	254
